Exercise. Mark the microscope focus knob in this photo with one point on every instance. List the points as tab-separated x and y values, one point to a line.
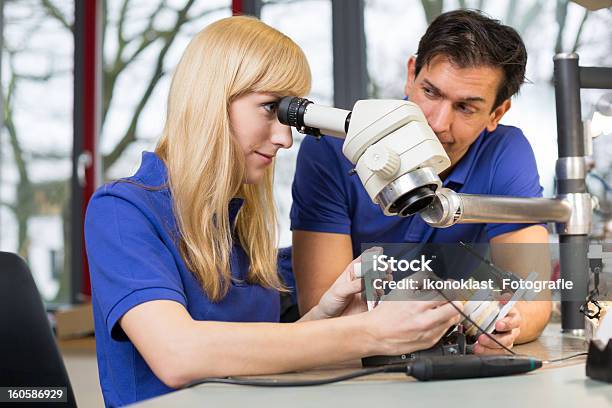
382	161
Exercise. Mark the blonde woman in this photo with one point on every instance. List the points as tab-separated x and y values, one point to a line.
182	254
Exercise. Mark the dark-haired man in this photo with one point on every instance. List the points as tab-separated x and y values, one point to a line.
467	68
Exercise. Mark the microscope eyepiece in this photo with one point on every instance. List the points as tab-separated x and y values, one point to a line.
312	119
291	111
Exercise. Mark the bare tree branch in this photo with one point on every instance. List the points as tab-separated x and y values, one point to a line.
10	125
530	17
561	14
56	13
130	134
579	33
214	10
24	208
120	38
104	27
273	2
432	9
511	12
37	78
8	205
110	75
48	155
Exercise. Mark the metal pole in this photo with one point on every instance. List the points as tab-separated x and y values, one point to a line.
246	7
596	77
349	46
570	181
1	106
86	115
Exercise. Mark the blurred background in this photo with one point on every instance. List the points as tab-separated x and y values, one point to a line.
84	87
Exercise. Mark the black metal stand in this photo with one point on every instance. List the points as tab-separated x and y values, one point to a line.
569	78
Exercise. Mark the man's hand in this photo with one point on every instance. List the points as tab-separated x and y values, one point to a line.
343	297
506	332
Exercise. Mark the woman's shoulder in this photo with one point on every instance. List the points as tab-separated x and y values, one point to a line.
147	190
150	179
127	188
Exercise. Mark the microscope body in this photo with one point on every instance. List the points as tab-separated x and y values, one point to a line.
396	154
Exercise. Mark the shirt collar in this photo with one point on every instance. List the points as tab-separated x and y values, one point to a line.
234	207
152	171
459	174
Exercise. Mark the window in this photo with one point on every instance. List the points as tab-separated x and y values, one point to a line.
309	24
36	141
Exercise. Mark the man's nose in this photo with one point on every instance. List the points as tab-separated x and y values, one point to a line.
281	135
440	118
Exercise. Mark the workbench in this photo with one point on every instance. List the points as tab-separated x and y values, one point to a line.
561	384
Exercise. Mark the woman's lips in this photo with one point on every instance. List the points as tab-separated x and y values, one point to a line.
266	158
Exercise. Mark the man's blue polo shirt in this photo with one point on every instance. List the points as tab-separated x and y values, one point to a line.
327	197
131	237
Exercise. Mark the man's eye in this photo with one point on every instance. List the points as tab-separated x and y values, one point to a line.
270	107
465	109
429	92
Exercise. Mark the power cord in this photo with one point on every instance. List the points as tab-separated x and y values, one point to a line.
406	368
394	368
560	359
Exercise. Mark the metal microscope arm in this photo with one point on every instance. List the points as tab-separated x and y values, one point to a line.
571	212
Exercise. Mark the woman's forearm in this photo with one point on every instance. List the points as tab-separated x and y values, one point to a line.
266	348
180	350
312	314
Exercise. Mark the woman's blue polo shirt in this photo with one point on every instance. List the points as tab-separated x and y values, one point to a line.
131	238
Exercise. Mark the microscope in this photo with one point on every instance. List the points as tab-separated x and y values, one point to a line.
398	159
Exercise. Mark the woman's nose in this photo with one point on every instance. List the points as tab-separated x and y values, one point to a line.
281	135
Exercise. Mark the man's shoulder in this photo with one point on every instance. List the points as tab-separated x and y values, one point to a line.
312	146
506	141
506	134
324	155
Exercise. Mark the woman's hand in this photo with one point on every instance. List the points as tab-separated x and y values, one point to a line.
344	298
404	326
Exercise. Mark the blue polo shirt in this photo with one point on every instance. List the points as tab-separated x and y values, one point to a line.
328	197
131	237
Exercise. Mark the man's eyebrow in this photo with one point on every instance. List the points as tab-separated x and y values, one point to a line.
433	87
472	99
466	99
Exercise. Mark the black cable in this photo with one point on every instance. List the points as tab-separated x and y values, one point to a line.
394	368
469	319
557	360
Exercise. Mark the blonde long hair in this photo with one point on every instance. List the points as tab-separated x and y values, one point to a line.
228	59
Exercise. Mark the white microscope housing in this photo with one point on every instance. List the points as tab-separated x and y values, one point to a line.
396	154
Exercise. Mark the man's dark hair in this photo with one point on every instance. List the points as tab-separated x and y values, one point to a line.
470	39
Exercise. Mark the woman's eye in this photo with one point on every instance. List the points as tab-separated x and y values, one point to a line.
270	107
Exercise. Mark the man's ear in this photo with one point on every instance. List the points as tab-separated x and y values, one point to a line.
410	75
497	114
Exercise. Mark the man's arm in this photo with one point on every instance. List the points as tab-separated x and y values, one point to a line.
534	314
318	259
